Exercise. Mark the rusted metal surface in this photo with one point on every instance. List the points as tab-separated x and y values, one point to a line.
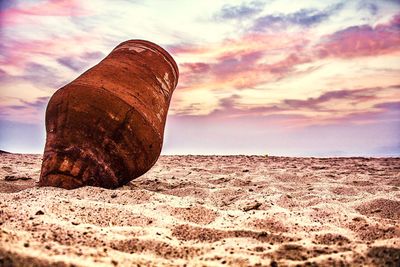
106	127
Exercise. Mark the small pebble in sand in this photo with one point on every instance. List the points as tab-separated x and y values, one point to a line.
16	177
39	212
251	206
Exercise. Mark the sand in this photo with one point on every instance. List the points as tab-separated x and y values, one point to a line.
207	211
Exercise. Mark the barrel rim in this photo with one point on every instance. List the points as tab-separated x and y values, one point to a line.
159	49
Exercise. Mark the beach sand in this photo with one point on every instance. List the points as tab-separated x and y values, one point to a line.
207	211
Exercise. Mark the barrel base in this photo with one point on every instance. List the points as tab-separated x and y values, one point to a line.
60	180
73	167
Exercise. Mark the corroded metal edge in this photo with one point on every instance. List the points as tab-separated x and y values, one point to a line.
150	45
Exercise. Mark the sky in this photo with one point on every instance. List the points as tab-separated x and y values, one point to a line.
274	77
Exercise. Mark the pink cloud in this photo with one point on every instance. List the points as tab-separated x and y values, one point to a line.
250	42
186	49
19	53
253	59
239	71
238	63
17	15
364	40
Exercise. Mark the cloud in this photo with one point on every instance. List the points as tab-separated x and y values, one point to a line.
72	63
393	1
256	59
79	62
95	55
45	64
40	102
240	71
229	108
272	72
18	53
15	13
373	8
364	40
186	48
317	104
28	112
4	5
302	18
395	106
46	77
242	11
197	67
362	105
39	74
240	63
280	129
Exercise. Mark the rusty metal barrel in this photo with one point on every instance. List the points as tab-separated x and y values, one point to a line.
106	127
